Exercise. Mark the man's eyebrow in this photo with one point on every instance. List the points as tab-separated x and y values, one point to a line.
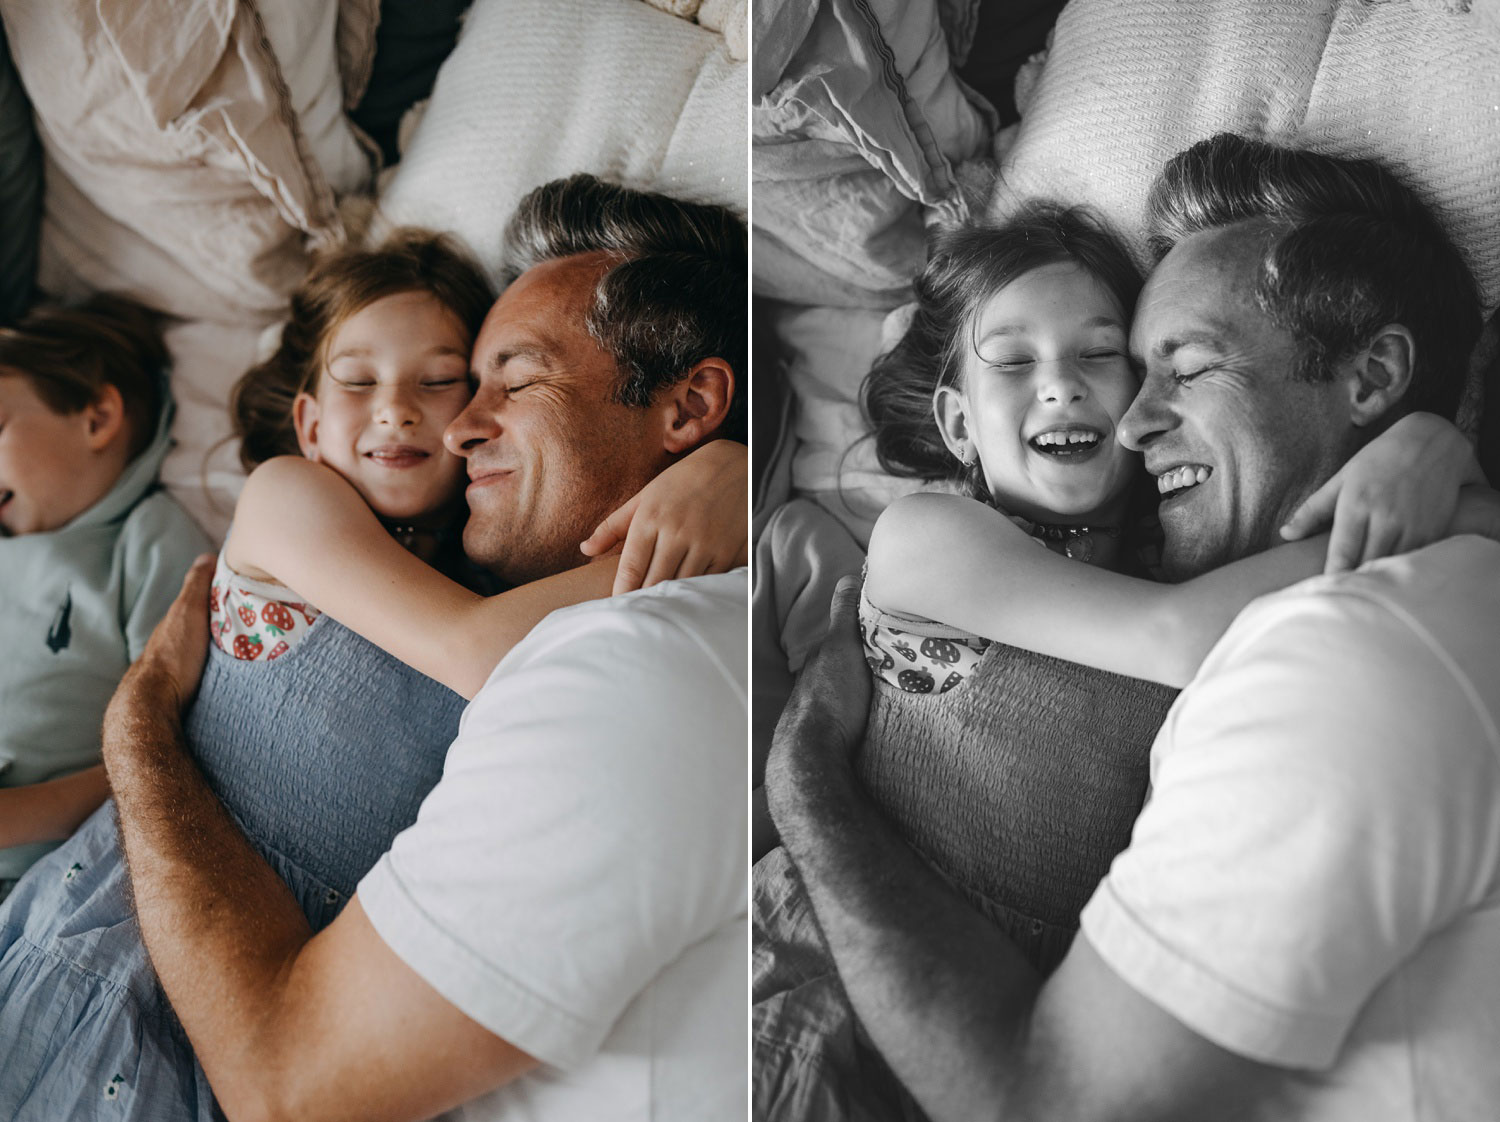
535	351
1213	338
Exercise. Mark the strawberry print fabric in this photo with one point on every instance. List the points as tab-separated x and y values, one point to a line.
916	655
251	620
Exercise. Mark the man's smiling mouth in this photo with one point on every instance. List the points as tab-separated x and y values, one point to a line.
1181	479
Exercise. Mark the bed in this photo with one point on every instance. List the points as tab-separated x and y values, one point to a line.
868	130
194	153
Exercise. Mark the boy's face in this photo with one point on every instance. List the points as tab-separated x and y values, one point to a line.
45	481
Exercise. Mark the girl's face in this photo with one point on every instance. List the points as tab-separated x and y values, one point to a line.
1043	386
394	374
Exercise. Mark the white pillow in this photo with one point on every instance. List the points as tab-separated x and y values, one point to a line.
177	169
536	90
1130	83
302	36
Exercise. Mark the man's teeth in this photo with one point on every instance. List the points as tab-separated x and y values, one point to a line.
1181	478
1074	437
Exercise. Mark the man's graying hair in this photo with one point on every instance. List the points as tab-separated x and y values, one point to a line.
1351	251
677	295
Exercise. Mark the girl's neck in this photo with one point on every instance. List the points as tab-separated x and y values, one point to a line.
1091	543
424	536
1095	537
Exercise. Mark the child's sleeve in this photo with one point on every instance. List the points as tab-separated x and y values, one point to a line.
157	547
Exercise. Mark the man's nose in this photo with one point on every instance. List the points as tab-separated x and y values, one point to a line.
477	423
1147	418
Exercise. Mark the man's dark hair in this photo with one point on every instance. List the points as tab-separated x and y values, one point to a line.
677	295
1351	251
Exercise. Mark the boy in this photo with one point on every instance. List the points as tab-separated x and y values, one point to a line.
92	552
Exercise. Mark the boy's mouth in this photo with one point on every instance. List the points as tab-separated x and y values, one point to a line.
1066	440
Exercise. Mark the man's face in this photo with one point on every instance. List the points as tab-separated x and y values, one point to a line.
1235	444
549	453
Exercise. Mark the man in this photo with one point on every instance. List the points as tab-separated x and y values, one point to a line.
564	921
1307	919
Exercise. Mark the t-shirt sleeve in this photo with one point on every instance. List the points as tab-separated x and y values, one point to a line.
590	826
158	545
1322	802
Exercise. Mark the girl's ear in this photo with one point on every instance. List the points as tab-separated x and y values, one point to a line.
305	421
697	405
952	413
104	418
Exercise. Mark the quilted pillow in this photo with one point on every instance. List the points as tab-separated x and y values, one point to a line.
659	105
1129	83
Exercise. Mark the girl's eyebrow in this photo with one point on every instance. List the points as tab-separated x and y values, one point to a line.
366	352
1022	329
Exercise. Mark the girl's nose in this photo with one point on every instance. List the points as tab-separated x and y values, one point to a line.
398	407
1060	382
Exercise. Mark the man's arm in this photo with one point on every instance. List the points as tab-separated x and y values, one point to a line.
286	1024
961	1017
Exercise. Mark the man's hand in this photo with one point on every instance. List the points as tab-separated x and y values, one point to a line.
169	669
824	720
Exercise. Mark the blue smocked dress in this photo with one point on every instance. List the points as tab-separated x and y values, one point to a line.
1017	776
323	756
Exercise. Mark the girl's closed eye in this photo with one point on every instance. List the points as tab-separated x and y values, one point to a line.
1011	362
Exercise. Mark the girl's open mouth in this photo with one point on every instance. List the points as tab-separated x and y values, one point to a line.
1067	443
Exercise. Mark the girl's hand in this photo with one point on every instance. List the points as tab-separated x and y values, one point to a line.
690	520
1396	494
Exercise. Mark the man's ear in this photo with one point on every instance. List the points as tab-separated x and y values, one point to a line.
697	405
952	412
1381	374
305	421
104	418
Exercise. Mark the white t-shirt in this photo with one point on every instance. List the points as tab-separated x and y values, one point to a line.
1313	883
576	881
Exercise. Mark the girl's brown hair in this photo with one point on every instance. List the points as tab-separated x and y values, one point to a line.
68	355
335	288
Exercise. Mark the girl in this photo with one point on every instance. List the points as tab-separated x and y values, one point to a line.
371	368
1015	773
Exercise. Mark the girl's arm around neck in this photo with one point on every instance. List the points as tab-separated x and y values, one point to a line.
306	527
965	564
